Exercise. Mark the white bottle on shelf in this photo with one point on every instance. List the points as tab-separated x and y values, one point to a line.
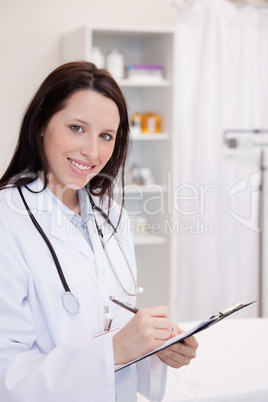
115	64
98	57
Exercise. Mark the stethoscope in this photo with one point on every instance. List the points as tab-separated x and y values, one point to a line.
69	300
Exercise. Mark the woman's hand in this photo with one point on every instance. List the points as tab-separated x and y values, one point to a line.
181	353
146	331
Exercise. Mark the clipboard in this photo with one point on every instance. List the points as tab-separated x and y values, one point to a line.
200	327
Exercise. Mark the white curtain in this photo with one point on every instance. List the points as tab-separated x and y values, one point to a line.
222	83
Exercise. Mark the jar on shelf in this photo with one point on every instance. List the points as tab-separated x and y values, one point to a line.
135	123
151	123
134	175
142	226
141	176
146	176
139	226
97	57
115	63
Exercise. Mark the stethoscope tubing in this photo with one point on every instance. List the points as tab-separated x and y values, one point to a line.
69	300
48	243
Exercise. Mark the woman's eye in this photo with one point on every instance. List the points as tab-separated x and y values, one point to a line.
77	129
106	136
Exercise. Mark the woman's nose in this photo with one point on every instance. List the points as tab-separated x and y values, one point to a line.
90	148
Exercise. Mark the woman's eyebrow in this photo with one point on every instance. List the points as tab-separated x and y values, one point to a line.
78	120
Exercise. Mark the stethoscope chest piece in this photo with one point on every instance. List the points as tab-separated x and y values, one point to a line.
70	303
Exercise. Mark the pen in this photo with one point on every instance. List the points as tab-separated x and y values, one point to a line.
128	306
124	304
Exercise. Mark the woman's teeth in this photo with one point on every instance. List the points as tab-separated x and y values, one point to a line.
81	167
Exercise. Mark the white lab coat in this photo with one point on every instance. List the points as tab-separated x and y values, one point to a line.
47	354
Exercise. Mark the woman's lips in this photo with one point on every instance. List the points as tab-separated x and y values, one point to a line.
83	167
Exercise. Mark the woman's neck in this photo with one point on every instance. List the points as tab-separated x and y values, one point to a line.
68	196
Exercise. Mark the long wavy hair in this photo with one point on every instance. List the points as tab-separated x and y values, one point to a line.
29	159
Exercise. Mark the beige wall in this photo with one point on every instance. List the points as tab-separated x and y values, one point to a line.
30	33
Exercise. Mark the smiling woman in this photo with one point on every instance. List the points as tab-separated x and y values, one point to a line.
61	335
53	97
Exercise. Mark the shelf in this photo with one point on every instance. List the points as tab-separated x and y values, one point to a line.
147	240
131	31
143	83
150	137
149	189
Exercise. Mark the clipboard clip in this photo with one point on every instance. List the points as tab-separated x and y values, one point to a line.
230	310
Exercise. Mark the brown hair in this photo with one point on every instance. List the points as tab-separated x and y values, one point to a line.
29	159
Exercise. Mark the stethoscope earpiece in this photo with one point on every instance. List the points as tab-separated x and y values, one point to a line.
140	290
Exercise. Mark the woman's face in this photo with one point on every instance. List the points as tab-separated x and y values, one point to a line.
79	140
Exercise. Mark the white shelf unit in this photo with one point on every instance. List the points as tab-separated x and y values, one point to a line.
142	46
149	240
150	137
142	83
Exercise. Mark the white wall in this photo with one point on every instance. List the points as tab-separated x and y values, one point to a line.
30	34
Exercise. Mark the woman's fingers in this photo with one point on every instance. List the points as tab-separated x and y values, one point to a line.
173	360
181	353
146	331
